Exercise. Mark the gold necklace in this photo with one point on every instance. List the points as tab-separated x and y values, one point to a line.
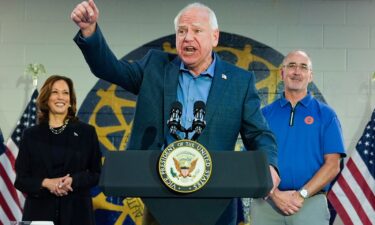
59	130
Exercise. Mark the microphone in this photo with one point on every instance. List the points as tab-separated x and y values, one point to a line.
174	119
198	123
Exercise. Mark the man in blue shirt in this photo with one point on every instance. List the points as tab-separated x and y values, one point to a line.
309	138
195	73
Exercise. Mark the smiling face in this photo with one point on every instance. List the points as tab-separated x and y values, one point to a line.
59	99
195	39
296	72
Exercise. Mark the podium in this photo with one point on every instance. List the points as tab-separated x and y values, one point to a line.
134	173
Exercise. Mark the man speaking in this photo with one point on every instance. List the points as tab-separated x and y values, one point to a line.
196	73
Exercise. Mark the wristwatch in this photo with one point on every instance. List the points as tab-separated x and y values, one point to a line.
304	193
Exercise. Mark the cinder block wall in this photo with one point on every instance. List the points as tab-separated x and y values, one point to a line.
339	35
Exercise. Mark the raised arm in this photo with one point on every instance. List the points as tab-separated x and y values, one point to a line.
86	15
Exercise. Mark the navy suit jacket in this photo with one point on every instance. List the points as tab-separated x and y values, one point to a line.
232	107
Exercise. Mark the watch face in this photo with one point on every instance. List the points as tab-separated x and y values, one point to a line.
303	193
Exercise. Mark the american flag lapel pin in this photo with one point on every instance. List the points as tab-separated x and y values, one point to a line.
224	76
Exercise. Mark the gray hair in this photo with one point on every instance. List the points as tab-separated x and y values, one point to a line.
211	14
299	51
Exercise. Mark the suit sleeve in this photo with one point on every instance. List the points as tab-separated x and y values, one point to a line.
255	132
25	180
89	177
105	65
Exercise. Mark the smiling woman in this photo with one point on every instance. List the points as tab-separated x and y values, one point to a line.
58	160
57	101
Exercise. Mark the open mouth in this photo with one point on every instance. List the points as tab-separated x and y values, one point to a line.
189	49
295	79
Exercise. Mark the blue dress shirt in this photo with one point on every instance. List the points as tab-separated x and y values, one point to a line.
191	89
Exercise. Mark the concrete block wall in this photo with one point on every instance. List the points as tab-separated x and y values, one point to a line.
339	35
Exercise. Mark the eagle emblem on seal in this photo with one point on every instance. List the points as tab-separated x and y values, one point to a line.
184	167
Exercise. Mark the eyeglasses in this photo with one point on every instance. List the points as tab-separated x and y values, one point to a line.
293	66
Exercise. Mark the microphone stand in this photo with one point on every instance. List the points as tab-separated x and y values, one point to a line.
198	124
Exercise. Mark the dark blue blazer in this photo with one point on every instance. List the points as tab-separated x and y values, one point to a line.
232	108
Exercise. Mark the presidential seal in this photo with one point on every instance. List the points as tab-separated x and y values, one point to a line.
185	166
